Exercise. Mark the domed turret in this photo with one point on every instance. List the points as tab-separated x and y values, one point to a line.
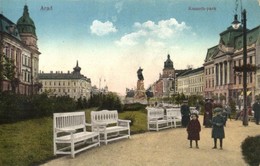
168	64
25	24
76	69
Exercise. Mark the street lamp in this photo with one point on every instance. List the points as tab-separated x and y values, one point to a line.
235	25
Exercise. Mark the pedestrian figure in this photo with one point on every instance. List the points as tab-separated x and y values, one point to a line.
194	129
256	109
185	113
227	113
208	113
218	127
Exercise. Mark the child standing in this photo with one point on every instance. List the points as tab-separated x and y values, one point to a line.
218	122
193	130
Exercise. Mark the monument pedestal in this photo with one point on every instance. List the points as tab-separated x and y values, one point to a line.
140	91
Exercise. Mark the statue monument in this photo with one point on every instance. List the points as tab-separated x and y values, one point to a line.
140	91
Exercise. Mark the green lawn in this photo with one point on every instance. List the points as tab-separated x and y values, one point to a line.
31	142
25	143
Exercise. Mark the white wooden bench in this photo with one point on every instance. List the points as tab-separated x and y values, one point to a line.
69	132
156	119
108	125
174	116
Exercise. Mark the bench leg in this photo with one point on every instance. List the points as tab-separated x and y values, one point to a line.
98	139
72	150
105	137
128	132
54	148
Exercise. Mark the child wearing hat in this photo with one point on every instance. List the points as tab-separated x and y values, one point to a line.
218	122
193	129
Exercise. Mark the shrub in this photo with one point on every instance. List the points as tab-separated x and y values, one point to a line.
111	101
131	117
15	107
251	150
133	107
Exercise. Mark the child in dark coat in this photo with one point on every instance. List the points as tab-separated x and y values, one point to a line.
193	130
218	132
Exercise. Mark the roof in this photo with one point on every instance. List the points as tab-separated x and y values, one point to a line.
168	64
65	76
227	37
252	37
190	72
234	38
181	71
62	76
211	53
7	26
25	24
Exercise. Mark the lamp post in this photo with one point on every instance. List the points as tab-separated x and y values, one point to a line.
236	25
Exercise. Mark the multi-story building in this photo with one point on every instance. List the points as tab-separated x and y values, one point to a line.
191	82
221	81
73	84
165	85
19	44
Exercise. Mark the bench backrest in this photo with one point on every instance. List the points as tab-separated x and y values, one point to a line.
155	113
173	112
104	116
70	120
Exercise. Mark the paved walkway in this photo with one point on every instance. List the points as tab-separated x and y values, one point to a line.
168	147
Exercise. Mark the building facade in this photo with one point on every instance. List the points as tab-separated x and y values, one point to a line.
222	82
72	84
191	82
18	45
165	85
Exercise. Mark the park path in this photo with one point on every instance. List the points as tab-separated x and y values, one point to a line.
168	147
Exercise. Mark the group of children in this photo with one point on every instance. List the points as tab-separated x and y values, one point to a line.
218	122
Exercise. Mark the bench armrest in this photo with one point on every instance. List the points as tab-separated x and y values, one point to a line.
99	128
124	123
121	120
88	124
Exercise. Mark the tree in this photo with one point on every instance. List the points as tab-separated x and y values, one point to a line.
7	70
9	73
1	66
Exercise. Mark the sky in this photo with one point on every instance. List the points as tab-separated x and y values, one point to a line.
111	39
